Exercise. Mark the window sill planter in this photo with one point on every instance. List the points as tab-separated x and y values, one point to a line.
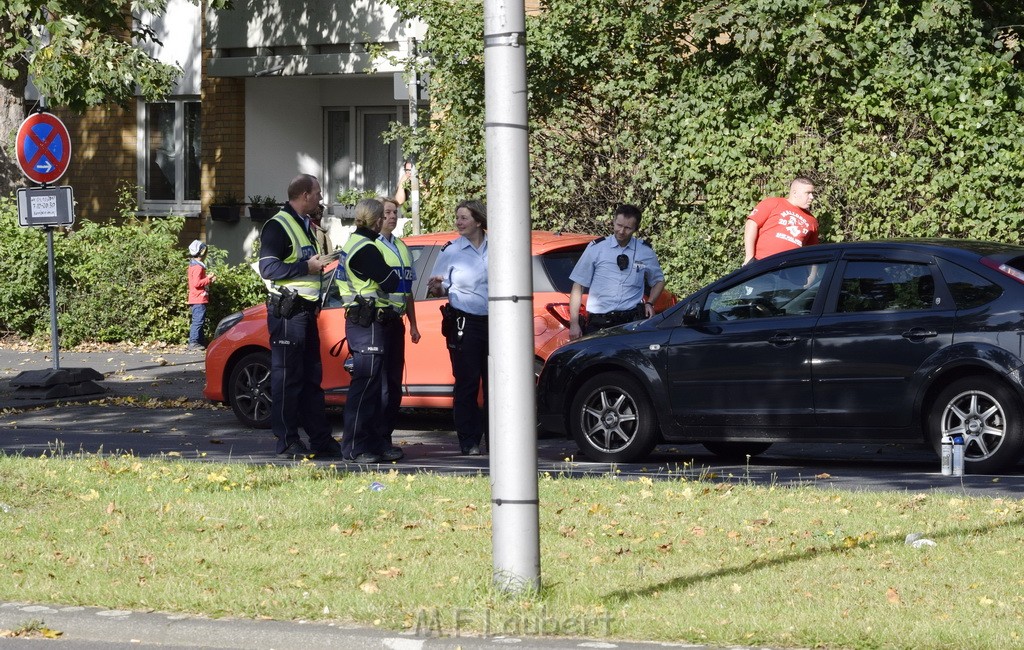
227	213
263	212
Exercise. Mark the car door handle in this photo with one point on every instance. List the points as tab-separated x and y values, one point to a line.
918	334
783	339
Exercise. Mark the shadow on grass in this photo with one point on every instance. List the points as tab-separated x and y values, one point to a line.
685	582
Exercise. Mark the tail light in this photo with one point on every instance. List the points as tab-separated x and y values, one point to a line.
1005	269
560	310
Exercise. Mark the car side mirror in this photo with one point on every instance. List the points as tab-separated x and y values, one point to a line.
691	313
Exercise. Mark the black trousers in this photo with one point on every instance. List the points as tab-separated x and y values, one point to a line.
394	367
296	373
469	366
363	405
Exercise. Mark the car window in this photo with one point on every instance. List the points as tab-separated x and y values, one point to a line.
329	288
420	257
556	267
788	291
886	286
967	287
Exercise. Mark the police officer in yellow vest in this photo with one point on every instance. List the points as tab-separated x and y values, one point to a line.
289	262
372	326
398	257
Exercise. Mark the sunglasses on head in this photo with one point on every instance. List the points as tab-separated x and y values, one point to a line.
622	261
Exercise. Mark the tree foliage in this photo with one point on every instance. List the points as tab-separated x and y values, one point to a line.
907	114
82	54
78	54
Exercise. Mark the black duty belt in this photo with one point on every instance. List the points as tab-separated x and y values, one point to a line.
468	316
619	317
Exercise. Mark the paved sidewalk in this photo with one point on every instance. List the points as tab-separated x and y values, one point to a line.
168	372
95	627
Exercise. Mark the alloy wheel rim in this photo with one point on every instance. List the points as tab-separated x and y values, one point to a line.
609	419
978	418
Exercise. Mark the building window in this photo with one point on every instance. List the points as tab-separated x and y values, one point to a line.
169	172
358	157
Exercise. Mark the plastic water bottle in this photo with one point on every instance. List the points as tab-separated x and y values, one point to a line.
958	456
946	454
377	486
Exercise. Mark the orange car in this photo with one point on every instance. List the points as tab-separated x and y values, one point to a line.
238	358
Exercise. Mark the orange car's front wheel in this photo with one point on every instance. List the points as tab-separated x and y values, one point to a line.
249	389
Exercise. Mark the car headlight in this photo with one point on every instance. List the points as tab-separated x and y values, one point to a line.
227	323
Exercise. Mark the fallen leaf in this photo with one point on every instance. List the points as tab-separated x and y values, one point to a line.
892	595
369	587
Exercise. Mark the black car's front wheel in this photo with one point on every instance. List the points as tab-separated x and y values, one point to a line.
612	419
987	415
249	390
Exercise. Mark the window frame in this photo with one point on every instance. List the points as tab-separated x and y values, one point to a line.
354	175
179	205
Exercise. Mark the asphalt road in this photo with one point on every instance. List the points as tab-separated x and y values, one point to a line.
183	425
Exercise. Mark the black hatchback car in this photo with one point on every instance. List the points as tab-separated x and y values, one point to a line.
895	341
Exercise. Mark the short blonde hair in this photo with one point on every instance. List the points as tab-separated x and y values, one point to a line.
368	213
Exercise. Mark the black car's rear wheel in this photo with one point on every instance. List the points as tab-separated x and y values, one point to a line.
612	419
989	418
737	450
249	390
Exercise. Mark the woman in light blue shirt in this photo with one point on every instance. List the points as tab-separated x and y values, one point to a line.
461	274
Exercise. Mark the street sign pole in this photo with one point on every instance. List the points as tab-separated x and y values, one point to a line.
54	346
43	151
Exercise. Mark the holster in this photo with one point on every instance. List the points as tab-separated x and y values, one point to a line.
386	315
453	325
284	304
362	313
447	320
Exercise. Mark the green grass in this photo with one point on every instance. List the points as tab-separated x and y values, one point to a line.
676	560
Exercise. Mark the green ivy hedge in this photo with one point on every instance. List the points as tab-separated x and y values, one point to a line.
908	115
115	282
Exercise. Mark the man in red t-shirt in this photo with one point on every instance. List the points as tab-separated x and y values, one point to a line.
779	224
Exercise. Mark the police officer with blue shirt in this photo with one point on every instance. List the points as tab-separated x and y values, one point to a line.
460	273
290	265
374	329
615	269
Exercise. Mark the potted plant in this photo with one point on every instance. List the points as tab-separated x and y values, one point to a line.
262	207
226	207
348	198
